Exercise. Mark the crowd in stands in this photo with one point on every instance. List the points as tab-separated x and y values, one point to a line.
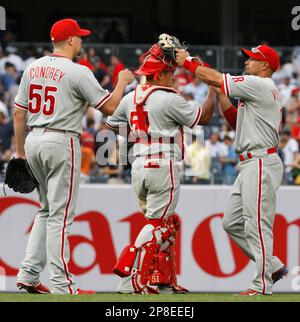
210	158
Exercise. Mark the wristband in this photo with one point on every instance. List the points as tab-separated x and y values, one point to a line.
231	116
192	64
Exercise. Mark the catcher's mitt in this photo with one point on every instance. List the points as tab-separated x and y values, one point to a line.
165	50
19	177
169	45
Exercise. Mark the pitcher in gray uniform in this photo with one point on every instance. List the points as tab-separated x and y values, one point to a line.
156	115
51	100
250	214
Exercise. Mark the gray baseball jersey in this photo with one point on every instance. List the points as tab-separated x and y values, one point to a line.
159	112
250	213
155	112
259	113
54	91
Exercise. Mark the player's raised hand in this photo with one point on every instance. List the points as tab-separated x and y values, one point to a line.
181	56
217	90
126	76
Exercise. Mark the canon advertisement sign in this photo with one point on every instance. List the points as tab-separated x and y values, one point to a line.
108	218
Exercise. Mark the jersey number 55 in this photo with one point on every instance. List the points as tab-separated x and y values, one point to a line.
42	97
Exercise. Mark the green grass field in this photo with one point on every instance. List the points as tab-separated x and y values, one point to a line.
108	297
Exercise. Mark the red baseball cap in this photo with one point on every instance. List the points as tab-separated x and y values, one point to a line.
264	53
65	28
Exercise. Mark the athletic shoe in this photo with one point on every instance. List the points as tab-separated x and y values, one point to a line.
84	292
282	273
249	293
37	288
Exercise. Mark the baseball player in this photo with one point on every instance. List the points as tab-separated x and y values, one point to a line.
250	213
52	95
156	115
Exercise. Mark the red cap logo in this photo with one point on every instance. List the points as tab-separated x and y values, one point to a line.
264	53
63	29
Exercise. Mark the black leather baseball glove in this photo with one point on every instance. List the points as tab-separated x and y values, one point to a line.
19	177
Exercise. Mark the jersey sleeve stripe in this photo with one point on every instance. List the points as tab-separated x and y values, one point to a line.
199	114
225	86
21	107
103	101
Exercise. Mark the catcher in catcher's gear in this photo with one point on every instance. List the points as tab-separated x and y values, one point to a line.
19	177
156	114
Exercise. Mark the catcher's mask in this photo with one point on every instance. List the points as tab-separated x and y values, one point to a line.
154	62
160	57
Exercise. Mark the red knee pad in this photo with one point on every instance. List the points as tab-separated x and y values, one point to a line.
126	261
172	224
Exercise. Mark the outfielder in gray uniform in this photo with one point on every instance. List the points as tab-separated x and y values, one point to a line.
51	100
156	114
250	213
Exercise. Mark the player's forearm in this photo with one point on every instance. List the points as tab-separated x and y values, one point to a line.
208	108
110	106
20	131
225	102
209	76
203	72
229	111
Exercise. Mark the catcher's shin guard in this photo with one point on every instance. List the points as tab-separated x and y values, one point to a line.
147	260
176	288
162	274
165	273
125	262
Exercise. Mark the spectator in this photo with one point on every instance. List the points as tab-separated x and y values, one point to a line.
90	127
216	148
11	94
290	150
92	56
114	170
293	108
198	89
199	159
295	131
88	140
229	162
226	130
88	160
31	56
13	59
296	170
9	77
84	61
116	67
6	128
296	59
182	78
285	91
217	151
103	78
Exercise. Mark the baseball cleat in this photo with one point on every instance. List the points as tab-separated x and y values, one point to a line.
84	292
249	293
37	288
282	273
